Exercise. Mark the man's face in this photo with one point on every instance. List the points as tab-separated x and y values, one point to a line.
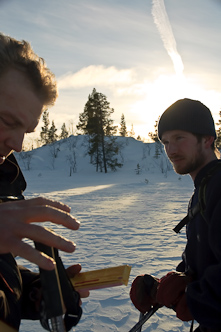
185	152
20	110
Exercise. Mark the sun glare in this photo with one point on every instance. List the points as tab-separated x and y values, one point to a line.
161	93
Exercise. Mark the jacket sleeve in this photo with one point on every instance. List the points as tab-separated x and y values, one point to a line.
204	294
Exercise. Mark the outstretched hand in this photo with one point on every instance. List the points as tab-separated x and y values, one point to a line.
16	223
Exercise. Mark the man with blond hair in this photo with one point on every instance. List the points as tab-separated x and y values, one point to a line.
27	88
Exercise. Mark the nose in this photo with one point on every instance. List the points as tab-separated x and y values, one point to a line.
15	141
171	149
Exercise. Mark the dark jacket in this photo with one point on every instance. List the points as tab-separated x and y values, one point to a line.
202	255
12	182
15	282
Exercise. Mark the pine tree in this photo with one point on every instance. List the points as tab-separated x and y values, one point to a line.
45	129
218	132
96	122
64	133
123	127
157	150
154	136
138	169
52	136
132	133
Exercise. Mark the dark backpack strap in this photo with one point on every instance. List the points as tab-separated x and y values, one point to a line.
181	224
191	214
201	205
60	300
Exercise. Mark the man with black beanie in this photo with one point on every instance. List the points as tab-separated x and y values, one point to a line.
187	131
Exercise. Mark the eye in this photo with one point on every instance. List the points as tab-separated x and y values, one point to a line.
6	122
165	142
10	121
179	138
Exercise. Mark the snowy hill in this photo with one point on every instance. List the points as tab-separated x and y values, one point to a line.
126	218
61	155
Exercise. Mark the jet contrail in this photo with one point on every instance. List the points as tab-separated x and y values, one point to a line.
163	25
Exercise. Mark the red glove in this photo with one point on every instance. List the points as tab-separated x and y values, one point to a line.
143	292
171	293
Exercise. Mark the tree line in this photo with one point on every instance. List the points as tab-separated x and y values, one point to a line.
96	124
49	134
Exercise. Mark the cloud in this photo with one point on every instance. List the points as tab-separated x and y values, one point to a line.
163	25
96	76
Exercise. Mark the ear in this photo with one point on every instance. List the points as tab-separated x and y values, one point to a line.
208	141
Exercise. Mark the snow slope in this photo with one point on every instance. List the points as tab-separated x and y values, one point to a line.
126	218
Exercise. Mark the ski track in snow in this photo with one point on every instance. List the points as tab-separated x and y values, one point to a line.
124	220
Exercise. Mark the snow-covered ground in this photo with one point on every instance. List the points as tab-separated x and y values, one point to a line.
126	218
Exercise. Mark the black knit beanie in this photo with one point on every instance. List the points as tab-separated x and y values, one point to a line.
188	115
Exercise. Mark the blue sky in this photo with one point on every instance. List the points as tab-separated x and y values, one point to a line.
143	55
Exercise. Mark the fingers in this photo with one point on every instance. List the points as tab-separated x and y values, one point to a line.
48	237
73	270
55	204
83	293
40	210
40	201
26	251
48	213
43	235
16	224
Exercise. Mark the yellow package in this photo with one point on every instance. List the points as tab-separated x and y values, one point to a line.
103	278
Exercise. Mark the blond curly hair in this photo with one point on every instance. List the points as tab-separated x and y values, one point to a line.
19	55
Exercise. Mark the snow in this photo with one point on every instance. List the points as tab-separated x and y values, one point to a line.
126	218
